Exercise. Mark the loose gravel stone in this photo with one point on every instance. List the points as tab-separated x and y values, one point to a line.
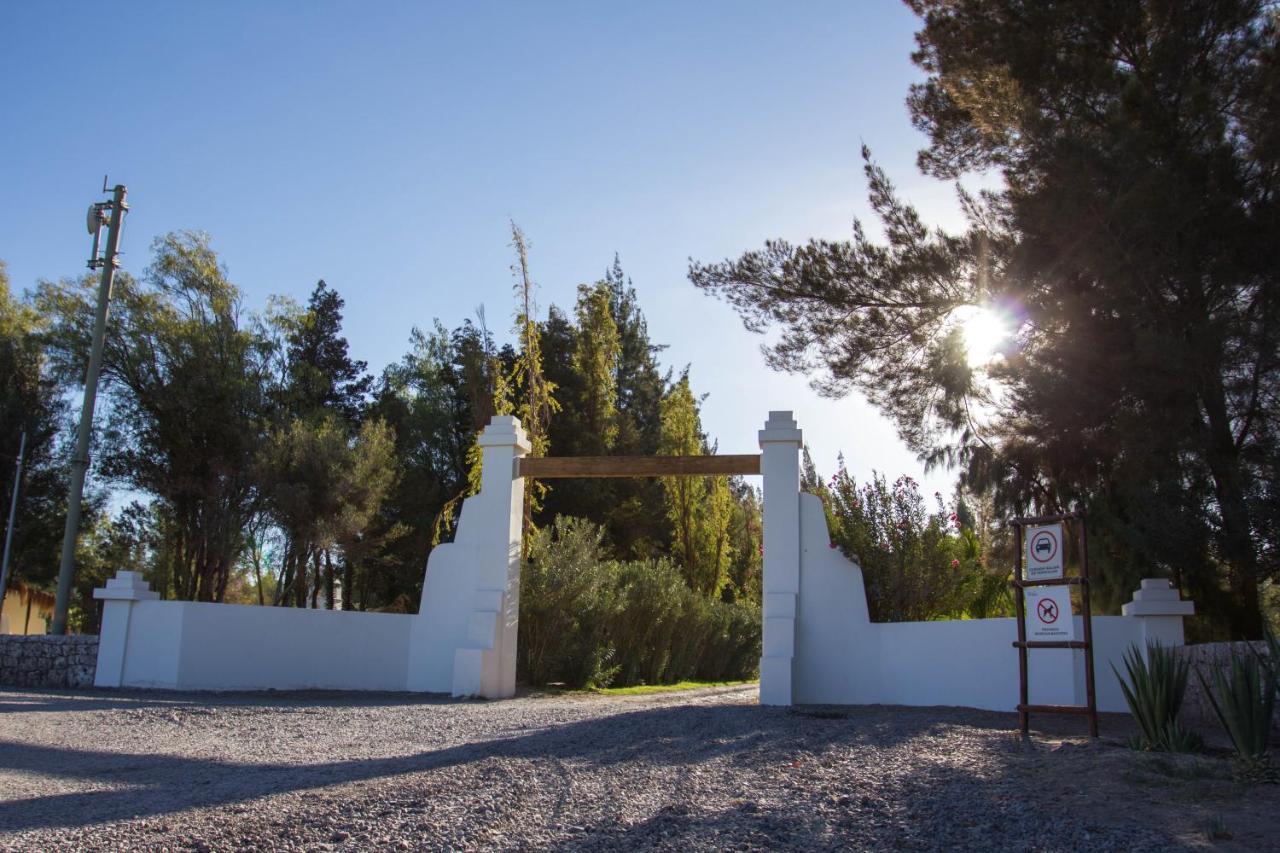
705	769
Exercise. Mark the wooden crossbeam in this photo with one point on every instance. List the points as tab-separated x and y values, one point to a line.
559	467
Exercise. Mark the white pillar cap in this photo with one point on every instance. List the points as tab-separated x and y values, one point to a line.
505	431
781	428
126	586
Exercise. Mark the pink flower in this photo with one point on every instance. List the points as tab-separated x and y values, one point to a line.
955	564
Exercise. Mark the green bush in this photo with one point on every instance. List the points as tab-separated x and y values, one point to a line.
567	598
1244	699
586	620
1154	694
917	565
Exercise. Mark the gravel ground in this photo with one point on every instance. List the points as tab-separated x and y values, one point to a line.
697	769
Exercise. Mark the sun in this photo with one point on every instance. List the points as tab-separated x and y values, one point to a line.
985	330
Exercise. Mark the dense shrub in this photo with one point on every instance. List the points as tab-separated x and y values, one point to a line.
917	565
588	620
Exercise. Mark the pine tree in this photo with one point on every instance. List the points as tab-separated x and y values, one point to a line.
322	375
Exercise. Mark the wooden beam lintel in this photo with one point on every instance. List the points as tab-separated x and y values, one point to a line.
560	467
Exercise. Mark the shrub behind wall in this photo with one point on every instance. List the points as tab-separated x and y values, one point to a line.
588	620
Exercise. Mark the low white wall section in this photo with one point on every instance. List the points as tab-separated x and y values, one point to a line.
844	658
462	640
196	646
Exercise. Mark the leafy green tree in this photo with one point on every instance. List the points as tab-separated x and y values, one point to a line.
1132	244
31	402
916	565
436	400
188	408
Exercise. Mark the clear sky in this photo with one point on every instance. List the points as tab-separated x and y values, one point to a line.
383	146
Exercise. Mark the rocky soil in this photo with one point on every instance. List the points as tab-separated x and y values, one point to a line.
701	769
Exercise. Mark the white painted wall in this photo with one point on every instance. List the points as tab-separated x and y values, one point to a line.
844	658
462	640
819	643
186	645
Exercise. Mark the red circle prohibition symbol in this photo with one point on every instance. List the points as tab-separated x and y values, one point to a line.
1047	610
1046	541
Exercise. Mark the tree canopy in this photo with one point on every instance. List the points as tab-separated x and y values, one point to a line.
1132	244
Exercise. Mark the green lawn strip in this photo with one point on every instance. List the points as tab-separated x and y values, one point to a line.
641	689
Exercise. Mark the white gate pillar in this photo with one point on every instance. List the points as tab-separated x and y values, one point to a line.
780	443
486	664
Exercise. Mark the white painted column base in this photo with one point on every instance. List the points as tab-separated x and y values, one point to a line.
120	594
780	443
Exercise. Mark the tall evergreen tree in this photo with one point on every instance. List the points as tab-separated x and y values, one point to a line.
596	354
322	375
1133	241
698	508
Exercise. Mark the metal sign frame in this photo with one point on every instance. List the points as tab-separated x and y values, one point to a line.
1020	584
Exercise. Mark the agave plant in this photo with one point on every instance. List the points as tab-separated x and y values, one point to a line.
1244	698
1154	692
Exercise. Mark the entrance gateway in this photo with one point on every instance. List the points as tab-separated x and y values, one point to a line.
819	646
483	636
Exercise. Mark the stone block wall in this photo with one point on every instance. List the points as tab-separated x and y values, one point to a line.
48	661
1196	712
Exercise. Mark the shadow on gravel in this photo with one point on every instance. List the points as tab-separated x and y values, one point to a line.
95	699
145	785
48	701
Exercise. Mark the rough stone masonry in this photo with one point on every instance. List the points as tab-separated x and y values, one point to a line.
48	661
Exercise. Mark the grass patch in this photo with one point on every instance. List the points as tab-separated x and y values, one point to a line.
643	689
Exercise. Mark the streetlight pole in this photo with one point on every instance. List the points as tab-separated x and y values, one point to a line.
80	459
13	513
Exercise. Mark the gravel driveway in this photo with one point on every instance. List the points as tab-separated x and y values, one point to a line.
697	769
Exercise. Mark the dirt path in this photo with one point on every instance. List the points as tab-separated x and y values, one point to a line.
699	769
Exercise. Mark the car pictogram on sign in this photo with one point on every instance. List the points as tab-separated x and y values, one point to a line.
1044	546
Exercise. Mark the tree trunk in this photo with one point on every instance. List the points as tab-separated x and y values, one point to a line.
348	583
328	580
1223	458
315	587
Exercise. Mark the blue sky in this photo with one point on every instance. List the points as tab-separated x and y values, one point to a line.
383	146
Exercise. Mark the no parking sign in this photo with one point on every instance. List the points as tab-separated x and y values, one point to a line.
1044	552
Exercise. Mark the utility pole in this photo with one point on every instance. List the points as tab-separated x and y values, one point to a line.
13	512
80	459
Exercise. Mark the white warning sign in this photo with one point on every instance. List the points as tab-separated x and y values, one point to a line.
1044	552
1049	614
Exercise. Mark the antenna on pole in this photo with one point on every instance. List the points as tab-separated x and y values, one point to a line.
98	218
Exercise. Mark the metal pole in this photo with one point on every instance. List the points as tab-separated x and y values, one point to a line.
13	511
80	459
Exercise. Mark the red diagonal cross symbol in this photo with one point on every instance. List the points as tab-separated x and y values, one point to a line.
1047	610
